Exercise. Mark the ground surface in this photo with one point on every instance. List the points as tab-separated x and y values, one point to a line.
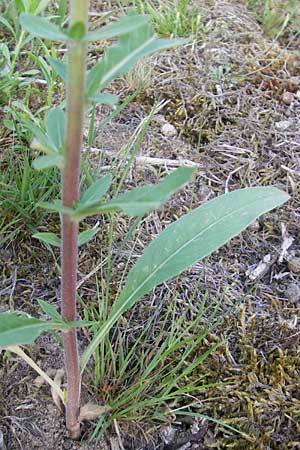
227	101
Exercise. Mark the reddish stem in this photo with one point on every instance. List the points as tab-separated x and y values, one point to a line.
70	188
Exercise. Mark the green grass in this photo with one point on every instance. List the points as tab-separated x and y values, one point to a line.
144	371
172	18
279	18
21	188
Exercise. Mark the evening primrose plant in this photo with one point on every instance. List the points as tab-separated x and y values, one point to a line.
181	244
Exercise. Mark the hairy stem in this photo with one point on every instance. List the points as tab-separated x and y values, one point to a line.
70	188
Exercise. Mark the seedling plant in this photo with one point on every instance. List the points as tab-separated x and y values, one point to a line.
180	245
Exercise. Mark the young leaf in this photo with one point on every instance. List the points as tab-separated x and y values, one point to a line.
186	241
77	31
16	329
142	199
86	236
48	238
55	241
41	141
55	123
105	99
120	57
60	67
56	206
124	25
45	162
41	27
96	191
50	311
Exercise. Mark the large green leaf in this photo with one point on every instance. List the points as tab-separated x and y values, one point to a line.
186	241
17	329
124	25
120	57
41	27
140	200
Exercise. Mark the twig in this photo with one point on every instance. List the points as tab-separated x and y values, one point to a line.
153	161
118	435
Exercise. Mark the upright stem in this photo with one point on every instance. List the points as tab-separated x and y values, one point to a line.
70	188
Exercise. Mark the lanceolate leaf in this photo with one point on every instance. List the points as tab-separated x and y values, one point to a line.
120	57
55	123
41	27
55	241
86	236
105	99
96	191
56	206
48	238
186	241
50	310
60	67
140	200
16	329
45	162
124	25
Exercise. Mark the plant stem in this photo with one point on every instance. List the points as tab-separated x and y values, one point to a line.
70	188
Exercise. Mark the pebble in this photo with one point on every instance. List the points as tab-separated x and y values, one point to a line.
168	130
292	292
294	265
287	98
283	125
298	95
255	226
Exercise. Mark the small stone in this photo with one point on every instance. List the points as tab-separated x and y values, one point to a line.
160	119
255	226
287	98
298	95
168	130
168	434
283	125
292	292
294	265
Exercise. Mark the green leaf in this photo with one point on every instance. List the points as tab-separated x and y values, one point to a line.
48	238
55	123
50	311
140	200
60	67
86	236
105	99
55	241
120	57
41	141
7	25
77	31
124	25
45	162
96	191
188	240
41	27
16	329
56	206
